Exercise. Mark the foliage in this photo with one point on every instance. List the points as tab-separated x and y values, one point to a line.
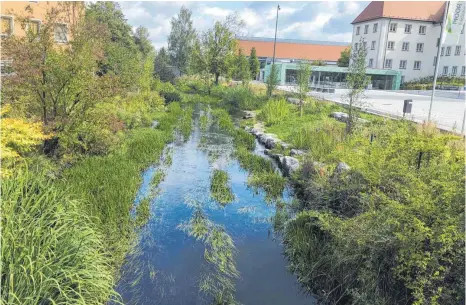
356	81
242	70
344	59
319	62
219	188
162	67
51	250
275	111
141	39
425	83
181	39
254	64
238	97
272	80
303	75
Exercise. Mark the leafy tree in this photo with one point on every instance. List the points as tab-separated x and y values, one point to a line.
141	38
200	64
243	72
254	64
318	63
181	39
356	81
272	80
162	67
303	75
343	61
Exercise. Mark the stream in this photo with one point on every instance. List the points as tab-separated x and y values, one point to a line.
166	264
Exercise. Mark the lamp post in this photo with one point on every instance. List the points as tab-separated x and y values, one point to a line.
275	40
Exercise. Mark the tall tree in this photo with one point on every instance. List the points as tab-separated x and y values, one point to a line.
303	75
343	61
181	39
272	80
356	81
141	38
243	72
162	67
254	64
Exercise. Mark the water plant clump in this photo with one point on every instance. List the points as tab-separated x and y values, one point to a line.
273	183
186	122
218	281
157	178
219	187
142	212
204	121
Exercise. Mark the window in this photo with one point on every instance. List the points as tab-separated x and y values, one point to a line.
405	46
403	64
366	29
402	79
422	29
393	27
6	26
357	30
356	46
371	62
448	51
61	33
391	45
420	47
407	28
463	70
364	44
457	50
445	70
373	45
435	60
417	65
374	27
33	26
454	69
388	63
443	51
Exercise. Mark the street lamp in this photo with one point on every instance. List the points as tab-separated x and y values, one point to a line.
275	40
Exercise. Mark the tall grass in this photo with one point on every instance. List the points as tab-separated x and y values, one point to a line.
275	111
52	252
219	188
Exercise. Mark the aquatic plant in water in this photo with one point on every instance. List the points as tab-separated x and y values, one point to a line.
219	188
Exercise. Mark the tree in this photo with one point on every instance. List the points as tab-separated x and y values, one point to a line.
141	38
343	61
303	75
199	63
254	64
243	71
162	67
272	80
181	39
318	62
356	81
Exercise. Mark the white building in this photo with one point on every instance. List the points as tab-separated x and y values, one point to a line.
404	36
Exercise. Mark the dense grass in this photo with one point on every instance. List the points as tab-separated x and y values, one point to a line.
219	187
52	252
275	111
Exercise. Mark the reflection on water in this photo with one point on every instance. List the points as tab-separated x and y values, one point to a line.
171	265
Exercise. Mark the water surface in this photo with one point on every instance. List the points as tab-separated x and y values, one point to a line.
166	265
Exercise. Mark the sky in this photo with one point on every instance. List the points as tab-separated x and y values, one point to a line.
326	21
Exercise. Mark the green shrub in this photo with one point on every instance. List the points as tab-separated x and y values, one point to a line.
219	188
51	250
275	111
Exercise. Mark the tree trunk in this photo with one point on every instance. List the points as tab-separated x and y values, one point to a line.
349	122
217	75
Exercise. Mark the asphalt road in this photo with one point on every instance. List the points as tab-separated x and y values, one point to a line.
448	113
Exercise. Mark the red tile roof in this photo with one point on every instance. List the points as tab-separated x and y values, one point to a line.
309	51
410	10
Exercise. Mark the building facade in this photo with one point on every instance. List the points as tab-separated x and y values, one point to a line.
404	36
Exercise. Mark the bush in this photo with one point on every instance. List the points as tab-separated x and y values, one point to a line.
275	111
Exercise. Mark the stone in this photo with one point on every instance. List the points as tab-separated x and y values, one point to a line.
285	145
340	116
269	140
155	124
257	132
249	115
289	165
248	129
296	152
293	100
342	167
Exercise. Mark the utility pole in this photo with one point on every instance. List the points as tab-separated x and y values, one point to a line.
437	63
275	40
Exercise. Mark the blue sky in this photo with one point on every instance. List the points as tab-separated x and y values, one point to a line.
328	21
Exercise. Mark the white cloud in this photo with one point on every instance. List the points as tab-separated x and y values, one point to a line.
351	7
305	30
134	10
284	10
215	12
250	17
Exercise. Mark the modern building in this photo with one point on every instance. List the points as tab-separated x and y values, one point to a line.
404	36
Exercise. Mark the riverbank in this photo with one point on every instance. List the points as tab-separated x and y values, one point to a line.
396	210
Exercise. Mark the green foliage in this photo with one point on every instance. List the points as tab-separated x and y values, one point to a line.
181	39
141	39
219	188
237	97
318	63
344	59
51	249
142	213
303	75
254	64
275	111
242	69
272	80
162	67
